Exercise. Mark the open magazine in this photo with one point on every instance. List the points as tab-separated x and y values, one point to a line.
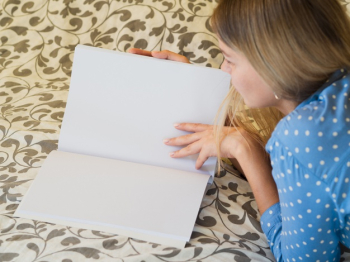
111	171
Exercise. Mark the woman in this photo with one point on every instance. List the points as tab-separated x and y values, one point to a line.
286	58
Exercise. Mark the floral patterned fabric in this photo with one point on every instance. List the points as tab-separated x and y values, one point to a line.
37	41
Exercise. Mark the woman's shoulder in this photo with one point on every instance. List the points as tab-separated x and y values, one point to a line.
317	132
324	115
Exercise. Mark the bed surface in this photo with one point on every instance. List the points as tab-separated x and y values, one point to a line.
37	41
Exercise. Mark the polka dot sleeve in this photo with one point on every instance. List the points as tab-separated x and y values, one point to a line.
271	223
305	224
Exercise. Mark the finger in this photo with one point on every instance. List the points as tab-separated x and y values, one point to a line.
183	140
189	150
138	51
193	127
166	54
202	158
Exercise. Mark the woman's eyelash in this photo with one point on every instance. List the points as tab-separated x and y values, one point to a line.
229	62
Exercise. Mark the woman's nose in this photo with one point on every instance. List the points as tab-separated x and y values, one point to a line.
224	67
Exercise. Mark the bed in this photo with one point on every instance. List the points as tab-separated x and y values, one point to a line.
37	41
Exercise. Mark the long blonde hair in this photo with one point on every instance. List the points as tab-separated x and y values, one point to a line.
295	45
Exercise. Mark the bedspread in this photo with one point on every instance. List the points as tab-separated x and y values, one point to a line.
37	41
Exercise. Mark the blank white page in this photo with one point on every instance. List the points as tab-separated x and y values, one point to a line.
122	106
154	204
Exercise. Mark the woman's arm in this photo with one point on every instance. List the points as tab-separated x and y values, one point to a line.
305	225
307	228
255	165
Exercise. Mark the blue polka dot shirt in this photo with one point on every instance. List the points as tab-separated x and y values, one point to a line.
310	157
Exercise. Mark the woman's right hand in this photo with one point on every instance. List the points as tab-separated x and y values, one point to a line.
164	54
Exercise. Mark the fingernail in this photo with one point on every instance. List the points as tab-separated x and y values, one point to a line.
166	141
176	124
171	154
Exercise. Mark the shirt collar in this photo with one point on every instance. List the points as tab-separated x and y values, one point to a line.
333	78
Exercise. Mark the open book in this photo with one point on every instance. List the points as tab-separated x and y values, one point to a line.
111	171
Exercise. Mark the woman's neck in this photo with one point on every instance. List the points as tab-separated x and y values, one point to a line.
286	106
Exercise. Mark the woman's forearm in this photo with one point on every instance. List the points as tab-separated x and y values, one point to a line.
257	169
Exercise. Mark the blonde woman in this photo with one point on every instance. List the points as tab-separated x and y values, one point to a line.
289	62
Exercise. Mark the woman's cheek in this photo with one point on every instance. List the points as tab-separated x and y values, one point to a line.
240	84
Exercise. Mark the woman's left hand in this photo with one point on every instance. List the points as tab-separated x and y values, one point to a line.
202	141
